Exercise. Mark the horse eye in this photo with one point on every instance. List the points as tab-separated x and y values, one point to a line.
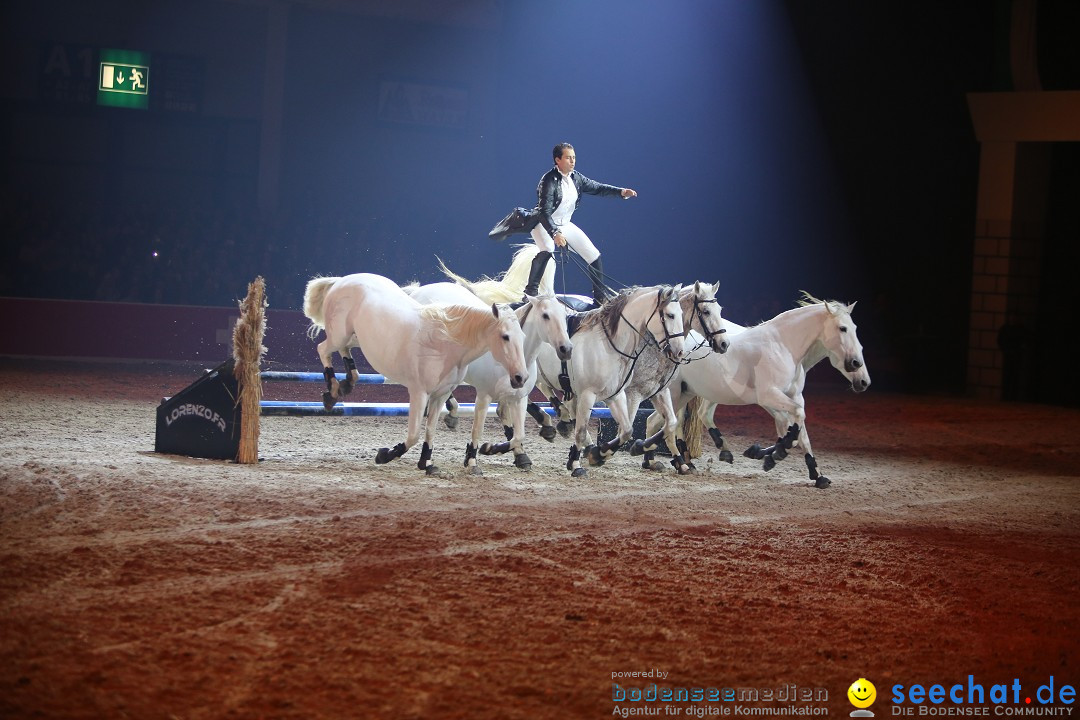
546	316
843	328
506	337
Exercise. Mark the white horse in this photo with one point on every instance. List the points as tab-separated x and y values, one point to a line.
543	319
766	365
623	352
698	303
424	348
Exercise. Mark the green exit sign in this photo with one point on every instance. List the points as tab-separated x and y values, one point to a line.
123	78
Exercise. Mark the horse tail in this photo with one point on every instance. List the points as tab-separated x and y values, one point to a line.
314	297
488	290
467	284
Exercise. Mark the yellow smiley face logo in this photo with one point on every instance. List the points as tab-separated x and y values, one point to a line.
862	693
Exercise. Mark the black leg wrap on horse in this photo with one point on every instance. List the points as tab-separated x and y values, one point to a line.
385	455
346	385
717	438
508	432
470	453
494	448
425	457
811	465
536	413
575	455
754	452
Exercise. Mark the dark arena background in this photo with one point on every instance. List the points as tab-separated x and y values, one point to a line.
921	159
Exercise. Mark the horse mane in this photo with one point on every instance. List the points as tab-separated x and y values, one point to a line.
463	324
807	299
608	314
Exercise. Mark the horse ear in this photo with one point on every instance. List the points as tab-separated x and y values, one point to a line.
716	287
495	310
851	307
829	308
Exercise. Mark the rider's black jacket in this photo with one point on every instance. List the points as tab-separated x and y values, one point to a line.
549	194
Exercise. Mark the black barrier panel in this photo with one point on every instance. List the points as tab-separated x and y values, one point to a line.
203	419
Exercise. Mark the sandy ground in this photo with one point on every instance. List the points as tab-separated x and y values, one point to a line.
319	585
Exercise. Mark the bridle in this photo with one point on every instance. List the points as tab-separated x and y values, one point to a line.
707	336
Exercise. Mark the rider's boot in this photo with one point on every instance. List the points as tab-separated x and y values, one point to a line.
600	292
536	273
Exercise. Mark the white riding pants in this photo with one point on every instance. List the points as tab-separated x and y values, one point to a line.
578	241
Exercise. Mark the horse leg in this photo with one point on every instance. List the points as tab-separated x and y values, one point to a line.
662	424
480	411
707	415
451	418
507	426
602	451
787	413
584	402
326	353
351	375
434	407
819	480
680	455
517	439
417	403
547	428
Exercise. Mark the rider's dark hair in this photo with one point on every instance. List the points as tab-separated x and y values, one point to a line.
557	151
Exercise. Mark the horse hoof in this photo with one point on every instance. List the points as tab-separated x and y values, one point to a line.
638	448
822	482
328	401
654	465
432	470
548	433
579	472
779	453
769	463
726	456
523	461
593	454
383	456
451	421
564	428
475	470
485	449
754	452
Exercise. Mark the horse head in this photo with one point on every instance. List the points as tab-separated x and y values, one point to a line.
506	342
546	315
666	322
842	343
700	305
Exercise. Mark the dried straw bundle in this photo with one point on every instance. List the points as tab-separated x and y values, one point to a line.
692	428
247	356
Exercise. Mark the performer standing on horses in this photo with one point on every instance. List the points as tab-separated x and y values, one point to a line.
558	195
